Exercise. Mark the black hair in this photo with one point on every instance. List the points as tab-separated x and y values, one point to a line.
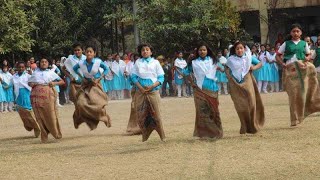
77	44
178	52
209	52
5	66
91	46
21	62
233	49
296	25
142	46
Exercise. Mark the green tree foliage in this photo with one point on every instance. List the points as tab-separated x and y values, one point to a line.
181	24
16	23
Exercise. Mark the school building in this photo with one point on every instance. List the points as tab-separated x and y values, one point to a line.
265	19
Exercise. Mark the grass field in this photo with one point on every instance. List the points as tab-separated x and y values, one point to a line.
277	152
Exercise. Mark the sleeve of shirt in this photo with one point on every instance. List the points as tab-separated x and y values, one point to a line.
76	67
160	79
105	68
160	73
255	61
282	48
175	63
58	71
134	76
307	49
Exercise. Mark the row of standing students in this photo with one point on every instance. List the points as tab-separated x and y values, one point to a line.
147	75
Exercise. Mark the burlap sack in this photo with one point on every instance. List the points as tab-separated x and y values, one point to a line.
133	126
29	121
248	103
74	87
302	87
208	122
148	114
43	100
91	106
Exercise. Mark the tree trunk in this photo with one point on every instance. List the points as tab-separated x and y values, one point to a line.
135	27
123	35
112	38
116	35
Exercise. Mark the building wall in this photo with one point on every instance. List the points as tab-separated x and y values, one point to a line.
262	6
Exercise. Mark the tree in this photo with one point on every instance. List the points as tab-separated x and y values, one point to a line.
16	23
181	24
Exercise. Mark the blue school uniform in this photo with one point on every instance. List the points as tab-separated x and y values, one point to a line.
129	83
274	73
118	76
257	73
221	76
57	71
208	83
91	70
7	87
177	78
265	69
2	94
109	77
236	63
144	77
23	90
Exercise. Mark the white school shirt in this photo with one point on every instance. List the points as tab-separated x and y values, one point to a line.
109	76
180	63
262	57
118	67
6	77
43	77
240	66
204	68
129	67
148	70
223	60
20	82
272	58
95	68
70	62
282	49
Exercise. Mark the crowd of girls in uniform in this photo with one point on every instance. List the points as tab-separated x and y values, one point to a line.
241	71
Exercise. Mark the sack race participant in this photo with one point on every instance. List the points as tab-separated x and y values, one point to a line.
133	126
22	93
208	122
243	88
300	77
148	75
43	100
75	77
91	102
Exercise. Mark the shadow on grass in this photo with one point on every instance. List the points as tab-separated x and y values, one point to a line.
17	138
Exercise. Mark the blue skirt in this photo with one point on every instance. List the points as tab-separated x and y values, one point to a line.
109	85
2	94
9	94
103	85
221	77
128	85
57	88
274	73
23	99
263	74
118	82
176	78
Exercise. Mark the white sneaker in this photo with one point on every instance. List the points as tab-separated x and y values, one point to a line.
59	105
265	92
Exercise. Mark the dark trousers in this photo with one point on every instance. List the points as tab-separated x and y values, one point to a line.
164	87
